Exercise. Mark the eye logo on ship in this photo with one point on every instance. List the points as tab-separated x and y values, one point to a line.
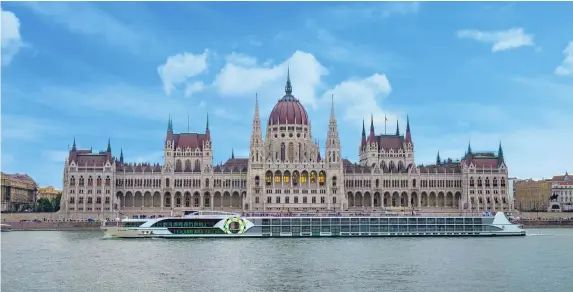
235	225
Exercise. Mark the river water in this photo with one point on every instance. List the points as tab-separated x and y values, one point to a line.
82	261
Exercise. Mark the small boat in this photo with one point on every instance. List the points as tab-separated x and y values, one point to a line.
5	227
224	224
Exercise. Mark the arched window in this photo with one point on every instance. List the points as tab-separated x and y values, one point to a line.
334	200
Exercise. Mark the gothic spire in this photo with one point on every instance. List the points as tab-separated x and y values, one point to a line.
397	129
170	124
408	134
363	143
500	158
74	145
121	155
372	133
438	160
108	145
232	153
469	149
288	87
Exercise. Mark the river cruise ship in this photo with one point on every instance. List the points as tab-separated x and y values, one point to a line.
202	224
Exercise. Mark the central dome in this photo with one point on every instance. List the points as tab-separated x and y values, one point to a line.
288	111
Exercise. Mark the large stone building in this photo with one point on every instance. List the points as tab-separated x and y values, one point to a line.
286	171
532	195
561	199
18	192
48	192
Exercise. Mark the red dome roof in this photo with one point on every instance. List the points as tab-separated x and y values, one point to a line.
288	110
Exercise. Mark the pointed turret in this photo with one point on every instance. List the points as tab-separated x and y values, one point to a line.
288	86
256	147
108	145
121	156
332	140
500	158
232	153
363	142
438	160
469	151
408	134
371	137
74	145
207	131
397	129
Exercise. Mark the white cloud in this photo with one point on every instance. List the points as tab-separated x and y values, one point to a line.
502	40
241	59
85	18
305	71
11	38
55	155
566	68
194	87
360	99
178	69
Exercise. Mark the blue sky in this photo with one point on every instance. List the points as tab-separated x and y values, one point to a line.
485	72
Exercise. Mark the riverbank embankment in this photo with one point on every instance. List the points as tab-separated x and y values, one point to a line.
54	226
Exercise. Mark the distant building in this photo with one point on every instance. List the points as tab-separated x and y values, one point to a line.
18	192
561	199
532	195
48	193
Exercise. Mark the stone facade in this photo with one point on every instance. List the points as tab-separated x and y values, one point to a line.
49	193
532	195
18	192
561	199
285	171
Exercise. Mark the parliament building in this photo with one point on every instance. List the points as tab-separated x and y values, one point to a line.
286	171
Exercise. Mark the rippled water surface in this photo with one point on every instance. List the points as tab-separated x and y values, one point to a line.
82	261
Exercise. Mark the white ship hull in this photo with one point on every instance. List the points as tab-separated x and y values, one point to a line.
229	225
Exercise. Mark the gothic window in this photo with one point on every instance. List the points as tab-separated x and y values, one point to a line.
277	177
257	180
81	200
107	181
334	200
296	200
269	200
107	200
98	181
479	181
278	200
304	177
377	183
295	178
503	182
314	200
283	152
322	200
98	200
187	165
287	200
286	177
487	181
334	181
304	200
72	200
321	178
495	182
73	181
290	152
471	181
313	177
90	200
256	200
